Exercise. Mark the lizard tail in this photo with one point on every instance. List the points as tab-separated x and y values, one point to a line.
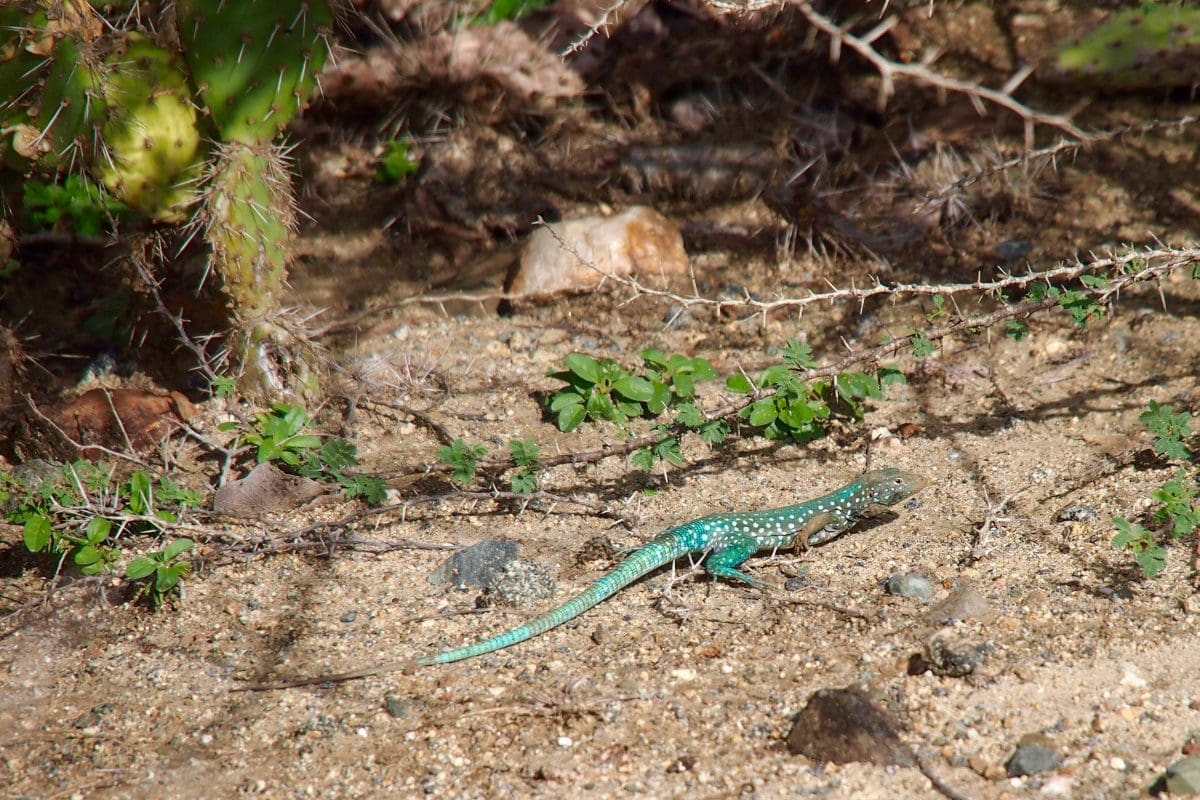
663	550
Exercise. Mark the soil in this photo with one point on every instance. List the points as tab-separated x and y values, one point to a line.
677	686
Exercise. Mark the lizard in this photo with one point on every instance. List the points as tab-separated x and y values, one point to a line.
725	540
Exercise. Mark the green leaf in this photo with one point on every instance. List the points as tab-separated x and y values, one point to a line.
1152	560
524	481
600	406
890	376
525	452
370	488
584	366
703	370
763	412
634	387
627	409
669	450
396	162
1093	281
776	375
167	578
303	442
570	417
87	555
654	357
714	432
97	530
462	458
177	548
798	354
922	346
140	568
855	385
561	400
1016	329
139	493
685	386
37	532
337	453
689	415
643	459
661	399
740	384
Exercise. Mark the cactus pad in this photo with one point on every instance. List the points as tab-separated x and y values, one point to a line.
152	143
1157	45
254	62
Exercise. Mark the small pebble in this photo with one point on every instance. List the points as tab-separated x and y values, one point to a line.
1035	753
565	741
963	603
1078	512
349	616
1181	779
1013	249
909	584
396	707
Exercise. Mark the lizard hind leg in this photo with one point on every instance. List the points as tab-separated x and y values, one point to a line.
724	563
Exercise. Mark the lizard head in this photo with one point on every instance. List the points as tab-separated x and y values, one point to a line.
887	487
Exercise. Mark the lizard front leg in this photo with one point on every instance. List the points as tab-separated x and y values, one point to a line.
724	562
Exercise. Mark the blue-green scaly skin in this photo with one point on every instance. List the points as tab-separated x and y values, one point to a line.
726	540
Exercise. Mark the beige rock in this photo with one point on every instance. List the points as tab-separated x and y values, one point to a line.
577	254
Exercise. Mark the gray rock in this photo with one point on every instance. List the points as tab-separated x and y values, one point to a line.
965	602
396	707
1180	779
349	616
1035	753
520	584
950	657
476	565
909	584
1013	249
1079	512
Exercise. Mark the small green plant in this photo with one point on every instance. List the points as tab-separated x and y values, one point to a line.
223	386
279	434
601	389
161	572
525	455
1075	302
330	461
79	512
1170	430
463	459
78	202
1177	515
396	162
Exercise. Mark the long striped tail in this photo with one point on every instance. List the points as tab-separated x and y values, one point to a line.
660	552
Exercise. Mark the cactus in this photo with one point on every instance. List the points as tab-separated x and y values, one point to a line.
151	142
1157	45
182	113
254	62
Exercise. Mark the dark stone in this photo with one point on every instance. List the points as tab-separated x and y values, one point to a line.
843	726
476	565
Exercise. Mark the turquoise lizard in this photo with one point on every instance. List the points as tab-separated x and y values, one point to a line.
725	539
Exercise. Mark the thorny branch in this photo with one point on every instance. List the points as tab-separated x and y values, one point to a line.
1149	265
920	73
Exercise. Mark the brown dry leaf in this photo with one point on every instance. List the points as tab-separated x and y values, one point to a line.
266	489
117	419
